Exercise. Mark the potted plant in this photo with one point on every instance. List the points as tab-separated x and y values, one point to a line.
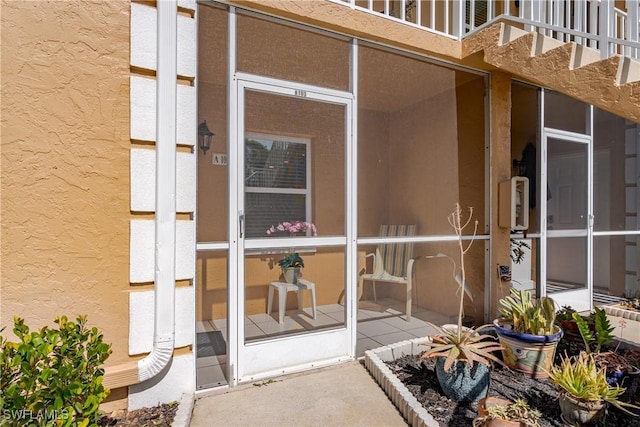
564	317
584	390
528	333
618	368
291	265
463	355
497	412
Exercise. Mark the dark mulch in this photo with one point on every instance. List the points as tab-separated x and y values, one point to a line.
160	416
420	379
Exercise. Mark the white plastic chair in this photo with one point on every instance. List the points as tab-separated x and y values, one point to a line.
393	262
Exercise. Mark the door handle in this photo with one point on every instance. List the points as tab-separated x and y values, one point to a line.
241	223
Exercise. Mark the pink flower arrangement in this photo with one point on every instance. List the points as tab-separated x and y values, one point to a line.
293	227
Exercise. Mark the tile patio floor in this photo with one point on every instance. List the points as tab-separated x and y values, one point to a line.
379	323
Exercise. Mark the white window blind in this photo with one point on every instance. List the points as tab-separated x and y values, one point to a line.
277	182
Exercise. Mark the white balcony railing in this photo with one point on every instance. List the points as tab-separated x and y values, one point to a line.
594	23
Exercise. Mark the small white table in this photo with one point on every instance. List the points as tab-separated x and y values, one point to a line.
283	288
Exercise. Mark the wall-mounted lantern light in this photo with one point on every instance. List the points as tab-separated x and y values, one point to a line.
204	136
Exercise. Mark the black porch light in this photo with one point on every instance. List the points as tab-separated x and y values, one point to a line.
204	137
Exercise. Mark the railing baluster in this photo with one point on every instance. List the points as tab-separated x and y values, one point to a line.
446	17
472	15
578	19
593	23
606	12
633	30
432	18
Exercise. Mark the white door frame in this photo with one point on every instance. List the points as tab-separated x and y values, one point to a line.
256	360
580	299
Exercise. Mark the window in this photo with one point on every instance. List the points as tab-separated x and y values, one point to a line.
277	182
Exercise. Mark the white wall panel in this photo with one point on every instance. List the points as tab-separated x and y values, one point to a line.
185	249
143	184
187	4
186	132
143	111
143	108
141	251
141	319
143	36
186	46
168	386
144	41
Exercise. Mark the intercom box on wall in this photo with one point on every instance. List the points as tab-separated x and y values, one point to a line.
513	200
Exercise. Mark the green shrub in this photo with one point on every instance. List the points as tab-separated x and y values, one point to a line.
52	377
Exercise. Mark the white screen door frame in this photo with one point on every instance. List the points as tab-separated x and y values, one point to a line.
255	360
577	226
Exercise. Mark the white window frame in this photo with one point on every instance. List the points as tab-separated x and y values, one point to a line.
270	190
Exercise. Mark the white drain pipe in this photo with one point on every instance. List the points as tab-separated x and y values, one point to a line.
165	219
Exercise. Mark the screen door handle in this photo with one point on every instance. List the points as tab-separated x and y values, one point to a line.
241	220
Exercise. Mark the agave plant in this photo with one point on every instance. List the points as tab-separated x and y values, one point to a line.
462	344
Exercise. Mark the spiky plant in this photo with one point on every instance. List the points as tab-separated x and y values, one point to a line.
462	343
580	377
529	317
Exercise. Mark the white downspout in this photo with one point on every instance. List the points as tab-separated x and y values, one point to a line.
165	218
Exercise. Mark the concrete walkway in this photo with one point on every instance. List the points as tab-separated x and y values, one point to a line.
344	395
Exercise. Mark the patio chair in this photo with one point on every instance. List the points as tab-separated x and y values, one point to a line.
393	262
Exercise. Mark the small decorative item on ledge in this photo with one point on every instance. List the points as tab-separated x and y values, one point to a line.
292	263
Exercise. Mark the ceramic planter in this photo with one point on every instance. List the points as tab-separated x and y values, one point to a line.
627	380
291	274
488	402
463	383
530	354
580	413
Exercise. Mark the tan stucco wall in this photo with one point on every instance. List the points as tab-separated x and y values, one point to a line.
65	165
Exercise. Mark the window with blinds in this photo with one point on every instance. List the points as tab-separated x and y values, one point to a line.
277	182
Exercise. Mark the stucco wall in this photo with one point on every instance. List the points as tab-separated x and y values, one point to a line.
65	164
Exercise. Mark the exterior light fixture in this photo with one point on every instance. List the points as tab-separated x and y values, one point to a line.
204	136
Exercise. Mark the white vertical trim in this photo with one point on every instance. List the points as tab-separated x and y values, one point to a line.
543	199
235	329
590	212
352	206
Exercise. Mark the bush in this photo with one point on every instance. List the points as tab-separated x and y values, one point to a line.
52	377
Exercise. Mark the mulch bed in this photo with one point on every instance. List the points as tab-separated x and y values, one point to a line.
420	379
158	416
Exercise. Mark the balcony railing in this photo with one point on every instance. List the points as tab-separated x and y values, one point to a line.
594	23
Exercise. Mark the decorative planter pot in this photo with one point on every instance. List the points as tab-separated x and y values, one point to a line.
530	354
580	413
463	383
483	410
627	380
291	274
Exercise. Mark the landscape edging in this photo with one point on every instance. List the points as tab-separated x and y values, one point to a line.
374	360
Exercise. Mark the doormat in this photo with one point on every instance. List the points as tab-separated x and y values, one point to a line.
211	343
